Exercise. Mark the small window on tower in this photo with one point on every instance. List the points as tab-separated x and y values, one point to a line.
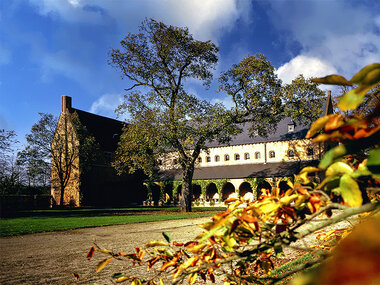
237	156
217	158
227	157
291	153
310	151
272	154
246	156
208	159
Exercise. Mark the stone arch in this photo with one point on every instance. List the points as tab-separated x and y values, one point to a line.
178	193
244	188
168	192
197	191
283	186
156	193
227	189
211	190
261	186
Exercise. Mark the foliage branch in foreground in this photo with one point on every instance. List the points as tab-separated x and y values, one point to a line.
242	242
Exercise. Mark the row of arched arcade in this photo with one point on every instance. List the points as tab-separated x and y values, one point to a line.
209	191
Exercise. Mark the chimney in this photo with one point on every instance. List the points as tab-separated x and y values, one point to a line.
65	104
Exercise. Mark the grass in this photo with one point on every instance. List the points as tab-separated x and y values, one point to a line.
57	220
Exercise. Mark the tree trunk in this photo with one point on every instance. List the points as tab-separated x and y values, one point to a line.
187	189
62	193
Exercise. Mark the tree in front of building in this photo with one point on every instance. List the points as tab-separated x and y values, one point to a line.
60	145
166	117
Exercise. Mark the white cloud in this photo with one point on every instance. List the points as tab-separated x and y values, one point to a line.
205	18
334	36
305	65
226	101
106	105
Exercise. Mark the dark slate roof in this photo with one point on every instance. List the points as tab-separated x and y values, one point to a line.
259	170
105	130
280	134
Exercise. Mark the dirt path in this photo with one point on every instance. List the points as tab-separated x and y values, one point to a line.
51	258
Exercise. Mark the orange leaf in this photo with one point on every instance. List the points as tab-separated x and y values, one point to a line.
91	252
335	122
177	243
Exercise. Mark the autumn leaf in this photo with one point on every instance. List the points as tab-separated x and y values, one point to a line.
155	243
338	168
351	100
103	263
333	79
90	254
167	236
76	276
350	192
361	74
193	276
318	125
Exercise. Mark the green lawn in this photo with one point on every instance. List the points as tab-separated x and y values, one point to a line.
55	220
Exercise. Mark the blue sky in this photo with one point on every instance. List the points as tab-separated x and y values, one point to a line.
50	48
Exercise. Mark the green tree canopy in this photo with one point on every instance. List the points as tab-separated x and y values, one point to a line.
165	117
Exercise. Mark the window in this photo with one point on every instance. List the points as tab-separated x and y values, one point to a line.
175	161
159	162
291	126
291	153
227	157
246	156
272	154
310	151
217	158
208	159
199	159
237	156
257	155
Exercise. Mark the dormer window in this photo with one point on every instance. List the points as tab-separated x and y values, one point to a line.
291	127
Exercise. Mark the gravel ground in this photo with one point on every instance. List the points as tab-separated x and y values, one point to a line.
53	257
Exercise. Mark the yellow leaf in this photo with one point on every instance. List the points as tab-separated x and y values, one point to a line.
372	78
122	279
288	199
359	76
268	207
318	125
155	243
161	282
338	168
309	169
350	191
332	79
193	276
352	99
103	263
190	262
